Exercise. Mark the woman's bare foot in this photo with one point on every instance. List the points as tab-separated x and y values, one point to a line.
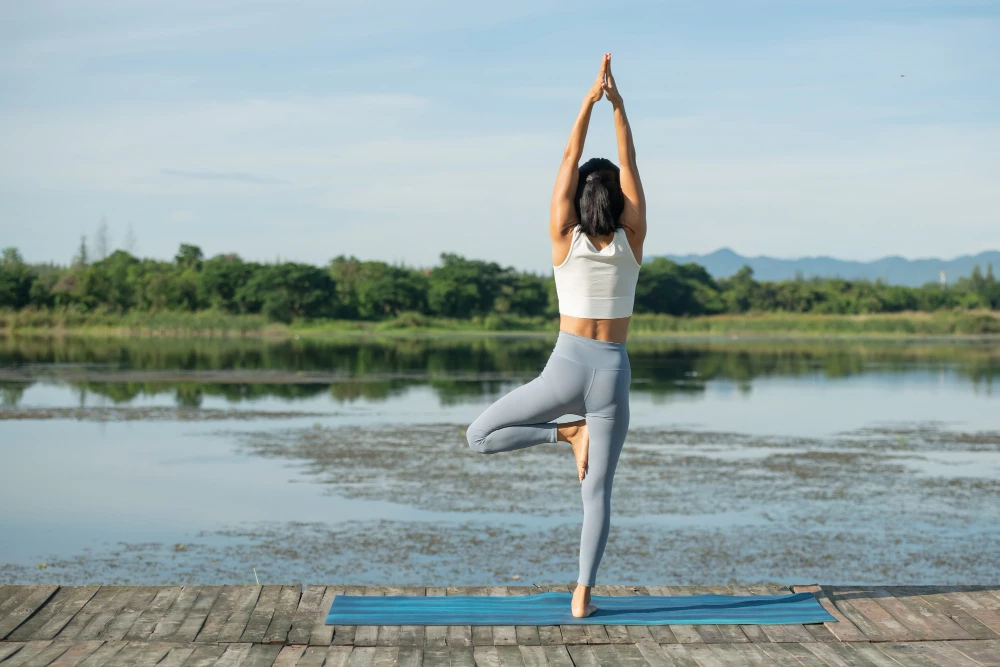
581	607
577	435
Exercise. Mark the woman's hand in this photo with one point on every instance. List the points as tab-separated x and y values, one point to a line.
610	89
596	91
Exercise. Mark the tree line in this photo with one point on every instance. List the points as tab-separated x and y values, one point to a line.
348	288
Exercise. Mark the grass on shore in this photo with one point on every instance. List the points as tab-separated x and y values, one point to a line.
215	324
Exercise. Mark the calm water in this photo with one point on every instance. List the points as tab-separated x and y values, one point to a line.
346	461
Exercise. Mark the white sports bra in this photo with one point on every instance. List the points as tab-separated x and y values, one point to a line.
597	284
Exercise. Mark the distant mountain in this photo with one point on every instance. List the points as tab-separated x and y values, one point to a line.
894	270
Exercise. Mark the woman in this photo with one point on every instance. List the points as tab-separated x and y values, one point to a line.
597	222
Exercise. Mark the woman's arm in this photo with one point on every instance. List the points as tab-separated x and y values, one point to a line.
562	210
634	214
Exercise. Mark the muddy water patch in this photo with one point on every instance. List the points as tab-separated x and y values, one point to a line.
473	553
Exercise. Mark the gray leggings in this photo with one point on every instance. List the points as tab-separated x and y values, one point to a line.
585	377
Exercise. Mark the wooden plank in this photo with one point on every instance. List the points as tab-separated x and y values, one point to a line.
436	657
103	654
557	656
876	623
323	634
22	605
284	612
907	654
388	635
482	635
196	616
313	656
225	604
309	609
798	651
177	656
706	657
338	656
59	610
843	629
105	614
510	656
486	656
777	654
949	655
680	654
103	596
617	634
261	655
936	624
458	635
985	652
976	605
367	635
76	653
236	624
56	648
728	654
152	653
28	651
570	634
385	656
260	618
142	597
8	649
146	622
630	655
362	656
343	635
171	621
840	654
436	636
551	635
11	596
533	656
208	655
655	655
939	599
234	655
412	635
583	656
684	633
461	656
288	655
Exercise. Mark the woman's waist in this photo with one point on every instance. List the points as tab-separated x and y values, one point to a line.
597	354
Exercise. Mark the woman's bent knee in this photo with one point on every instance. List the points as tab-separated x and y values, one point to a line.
476	438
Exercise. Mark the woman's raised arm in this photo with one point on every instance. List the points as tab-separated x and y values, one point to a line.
634	215
562	211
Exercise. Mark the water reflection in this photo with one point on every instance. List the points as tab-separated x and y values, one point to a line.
457	369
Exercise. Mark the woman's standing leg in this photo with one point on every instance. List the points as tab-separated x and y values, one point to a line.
607	420
524	417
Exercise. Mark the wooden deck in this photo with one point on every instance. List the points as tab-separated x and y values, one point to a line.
255	626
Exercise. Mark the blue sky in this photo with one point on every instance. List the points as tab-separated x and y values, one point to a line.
399	130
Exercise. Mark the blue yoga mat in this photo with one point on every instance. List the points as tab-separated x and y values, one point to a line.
553	609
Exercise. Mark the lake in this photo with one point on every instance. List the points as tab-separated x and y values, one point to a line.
344	460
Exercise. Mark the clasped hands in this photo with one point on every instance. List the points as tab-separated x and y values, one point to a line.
604	85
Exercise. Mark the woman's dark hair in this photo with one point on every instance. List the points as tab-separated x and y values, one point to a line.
599	201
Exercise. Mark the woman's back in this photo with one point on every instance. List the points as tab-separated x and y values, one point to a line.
596	283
